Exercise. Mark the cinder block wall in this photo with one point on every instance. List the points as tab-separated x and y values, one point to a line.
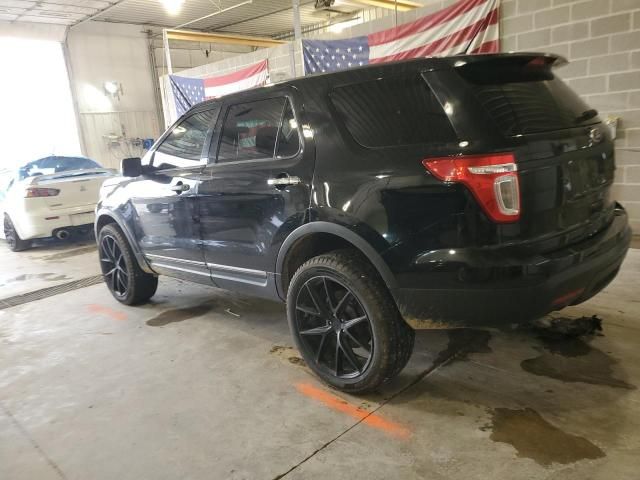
601	38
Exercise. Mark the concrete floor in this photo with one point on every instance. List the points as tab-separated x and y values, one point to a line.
203	384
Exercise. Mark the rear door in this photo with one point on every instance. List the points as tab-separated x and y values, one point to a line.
256	187
564	153
164	199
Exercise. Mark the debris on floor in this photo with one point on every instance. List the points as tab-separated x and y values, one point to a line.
564	327
289	354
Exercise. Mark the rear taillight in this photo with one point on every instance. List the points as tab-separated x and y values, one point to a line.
33	192
492	179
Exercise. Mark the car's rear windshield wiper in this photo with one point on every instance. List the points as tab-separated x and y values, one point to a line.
587	115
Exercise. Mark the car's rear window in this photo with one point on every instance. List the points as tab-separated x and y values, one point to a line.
392	111
53	164
526	96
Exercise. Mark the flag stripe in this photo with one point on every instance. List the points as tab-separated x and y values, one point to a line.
425	23
437	32
491	34
440	46
236	76
492	46
258	79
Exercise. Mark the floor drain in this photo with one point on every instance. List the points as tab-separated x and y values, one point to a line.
49	292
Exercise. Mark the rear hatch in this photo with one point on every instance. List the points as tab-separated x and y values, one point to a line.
78	188
564	154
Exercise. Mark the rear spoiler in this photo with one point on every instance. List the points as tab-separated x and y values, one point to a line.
72	174
540	59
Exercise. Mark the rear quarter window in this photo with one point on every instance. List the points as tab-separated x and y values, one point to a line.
392	111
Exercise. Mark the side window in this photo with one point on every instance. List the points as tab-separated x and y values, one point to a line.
288	139
392	111
252	130
183	146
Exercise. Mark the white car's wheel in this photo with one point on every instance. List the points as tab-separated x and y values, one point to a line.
15	243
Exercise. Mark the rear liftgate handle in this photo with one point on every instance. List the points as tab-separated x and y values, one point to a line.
284	180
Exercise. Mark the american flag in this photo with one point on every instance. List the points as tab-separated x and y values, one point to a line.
467	26
189	91
186	92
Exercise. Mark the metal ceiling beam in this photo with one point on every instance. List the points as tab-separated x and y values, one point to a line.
232	7
399	5
193	36
98	13
257	17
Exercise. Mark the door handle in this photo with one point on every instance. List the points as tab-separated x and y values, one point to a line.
283	181
180	187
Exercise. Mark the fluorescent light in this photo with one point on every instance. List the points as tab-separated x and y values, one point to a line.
172	7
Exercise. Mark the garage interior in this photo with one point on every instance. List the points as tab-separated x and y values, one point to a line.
206	383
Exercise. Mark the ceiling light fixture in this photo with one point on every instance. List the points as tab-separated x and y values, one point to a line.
172	7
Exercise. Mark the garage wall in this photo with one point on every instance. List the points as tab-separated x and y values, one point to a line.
601	38
102	52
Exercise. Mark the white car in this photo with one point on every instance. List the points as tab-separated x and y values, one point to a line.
50	197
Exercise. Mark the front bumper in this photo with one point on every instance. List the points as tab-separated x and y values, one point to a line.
470	288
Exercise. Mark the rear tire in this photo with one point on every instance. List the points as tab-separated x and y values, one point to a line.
345	322
126	281
14	242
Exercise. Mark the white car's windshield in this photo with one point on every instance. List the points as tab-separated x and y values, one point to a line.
50	165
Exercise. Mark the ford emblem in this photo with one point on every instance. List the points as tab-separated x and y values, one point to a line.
595	135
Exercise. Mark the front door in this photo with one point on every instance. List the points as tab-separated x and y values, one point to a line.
256	188
165	203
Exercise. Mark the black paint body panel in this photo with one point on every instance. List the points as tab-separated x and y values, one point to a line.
444	261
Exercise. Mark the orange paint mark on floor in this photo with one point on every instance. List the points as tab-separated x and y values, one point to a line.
106	311
371	419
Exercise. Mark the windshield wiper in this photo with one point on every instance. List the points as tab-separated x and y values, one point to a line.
587	115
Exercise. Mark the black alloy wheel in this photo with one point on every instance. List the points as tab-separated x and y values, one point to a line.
345	322
114	267
334	327
126	281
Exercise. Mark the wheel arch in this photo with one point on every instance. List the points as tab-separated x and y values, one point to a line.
315	238
107	217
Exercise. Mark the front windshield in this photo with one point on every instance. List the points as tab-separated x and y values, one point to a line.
50	165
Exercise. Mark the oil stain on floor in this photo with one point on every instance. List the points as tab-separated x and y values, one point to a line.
533	437
179	315
462	342
574	360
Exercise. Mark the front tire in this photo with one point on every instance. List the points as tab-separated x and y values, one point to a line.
345	323
14	242
126	281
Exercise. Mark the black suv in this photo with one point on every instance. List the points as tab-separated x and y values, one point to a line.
433	193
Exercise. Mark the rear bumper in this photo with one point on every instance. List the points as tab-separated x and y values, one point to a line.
44	223
491	288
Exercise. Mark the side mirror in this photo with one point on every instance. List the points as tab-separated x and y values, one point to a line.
131	167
